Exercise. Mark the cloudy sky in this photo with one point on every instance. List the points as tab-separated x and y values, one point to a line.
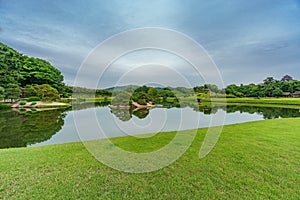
247	40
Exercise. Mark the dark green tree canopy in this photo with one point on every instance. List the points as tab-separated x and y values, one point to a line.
16	68
287	78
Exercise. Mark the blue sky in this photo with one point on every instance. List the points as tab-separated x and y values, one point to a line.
248	40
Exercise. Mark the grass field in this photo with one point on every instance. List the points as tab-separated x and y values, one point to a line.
256	160
279	101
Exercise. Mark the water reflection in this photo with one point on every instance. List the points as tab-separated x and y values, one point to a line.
21	129
126	114
267	113
25	128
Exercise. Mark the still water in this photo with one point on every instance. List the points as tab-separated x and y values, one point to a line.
22	129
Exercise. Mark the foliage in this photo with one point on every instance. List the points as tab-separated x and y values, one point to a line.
22	103
2	95
82	92
16	68
38	71
212	87
145	94
12	91
183	91
40	92
34	98
10	65
33	103
287	78
199	89
165	93
269	88
45	92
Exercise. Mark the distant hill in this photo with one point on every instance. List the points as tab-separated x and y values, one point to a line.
16	68
120	88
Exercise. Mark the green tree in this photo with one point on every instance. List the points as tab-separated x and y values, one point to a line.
234	90
268	86
287	78
269	81
277	92
2	95
199	89
121	98
46	92
12	92
30	91
153	95
38	71
16	68
212	87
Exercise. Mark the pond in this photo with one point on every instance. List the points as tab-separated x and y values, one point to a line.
23	129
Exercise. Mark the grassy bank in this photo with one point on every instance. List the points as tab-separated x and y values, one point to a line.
278	101
251	161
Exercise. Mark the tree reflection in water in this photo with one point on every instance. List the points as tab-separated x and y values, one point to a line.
266	112
126	114
26	128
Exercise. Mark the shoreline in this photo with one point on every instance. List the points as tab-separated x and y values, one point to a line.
41	104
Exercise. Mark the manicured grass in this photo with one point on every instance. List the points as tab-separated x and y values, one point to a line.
53	105
256	160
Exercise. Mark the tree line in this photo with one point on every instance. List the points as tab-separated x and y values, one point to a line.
270	87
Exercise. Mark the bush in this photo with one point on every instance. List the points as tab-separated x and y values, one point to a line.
34	98
22	103
33	103
141	102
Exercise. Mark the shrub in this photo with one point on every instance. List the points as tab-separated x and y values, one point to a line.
22	103
33	103
34	98
141	102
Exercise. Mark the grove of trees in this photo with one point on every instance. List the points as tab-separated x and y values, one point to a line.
18	71
269	88
144	95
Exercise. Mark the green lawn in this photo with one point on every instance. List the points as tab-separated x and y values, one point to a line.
256	160
282	101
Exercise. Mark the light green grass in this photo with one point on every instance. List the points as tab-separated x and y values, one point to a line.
62	105
256	160
281	101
